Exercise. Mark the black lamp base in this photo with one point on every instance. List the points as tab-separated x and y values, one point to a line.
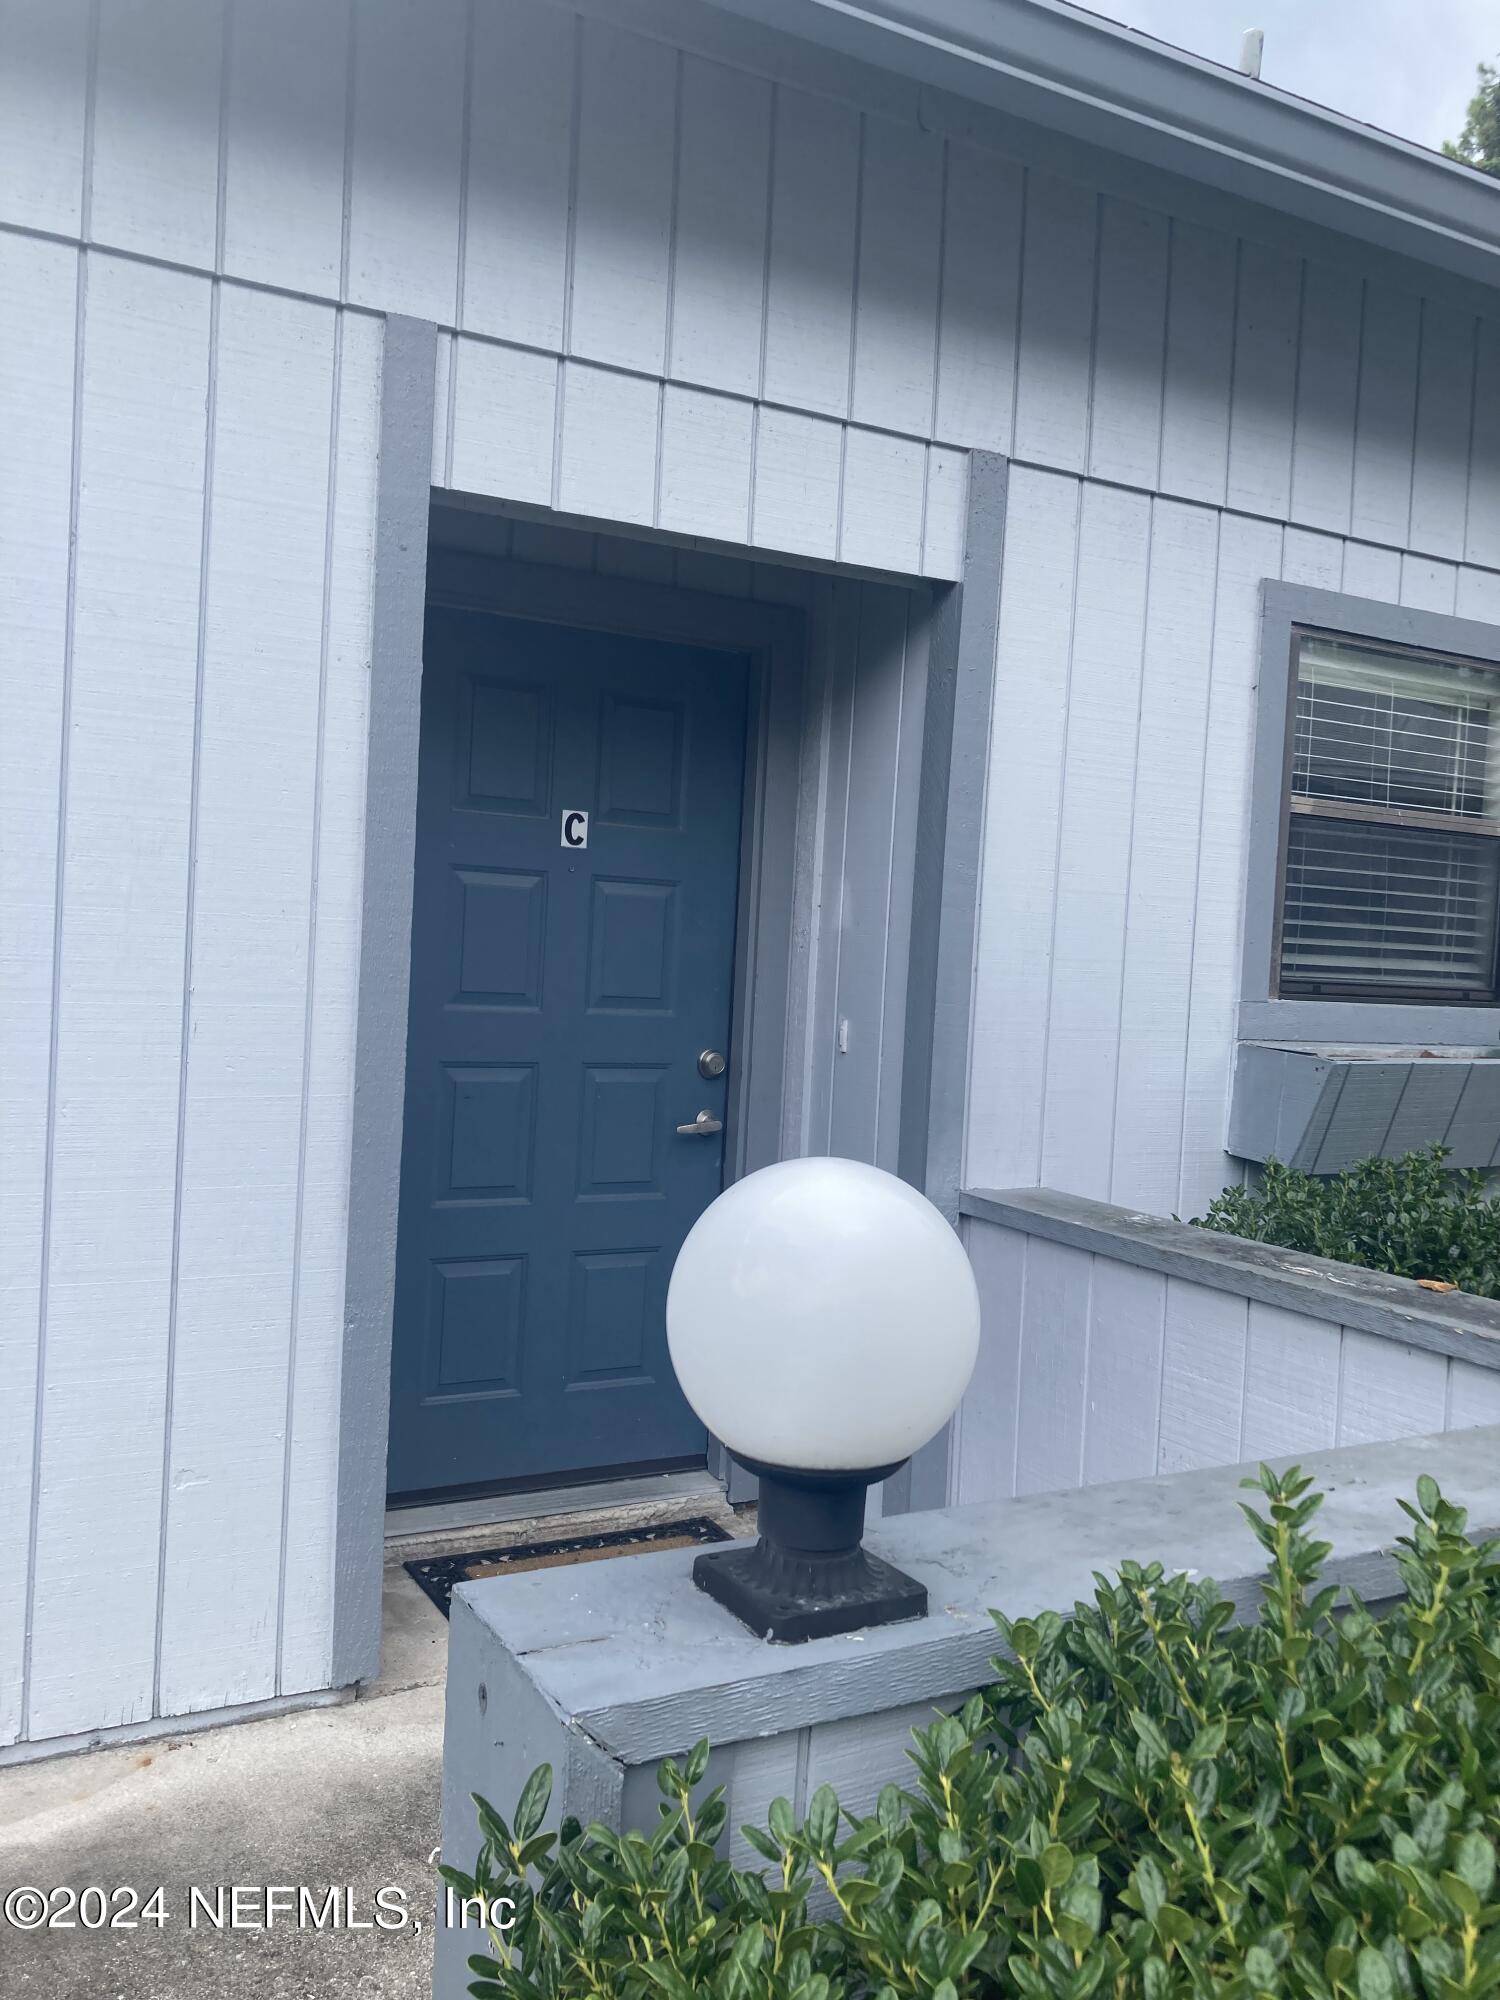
808	1577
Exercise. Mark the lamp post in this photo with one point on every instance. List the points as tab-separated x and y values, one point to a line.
823	1322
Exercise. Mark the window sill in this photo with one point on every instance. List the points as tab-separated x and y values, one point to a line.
1366	1023
1323	1104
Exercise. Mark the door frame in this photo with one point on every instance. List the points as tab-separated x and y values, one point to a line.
776	950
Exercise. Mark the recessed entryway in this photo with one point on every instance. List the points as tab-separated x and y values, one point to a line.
568	1044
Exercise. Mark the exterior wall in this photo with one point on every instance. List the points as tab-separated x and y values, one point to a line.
183	811
1094	1368
696	277
1108	975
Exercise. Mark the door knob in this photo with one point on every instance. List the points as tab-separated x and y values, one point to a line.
702	1126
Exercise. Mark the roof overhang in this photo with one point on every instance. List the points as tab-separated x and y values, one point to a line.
1108	86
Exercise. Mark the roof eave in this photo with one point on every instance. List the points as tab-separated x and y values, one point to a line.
1109	86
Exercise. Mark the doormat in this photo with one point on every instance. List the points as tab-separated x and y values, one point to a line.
438	1575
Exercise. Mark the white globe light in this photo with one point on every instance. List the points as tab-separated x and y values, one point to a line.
822	1315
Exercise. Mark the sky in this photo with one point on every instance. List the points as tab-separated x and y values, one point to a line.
1405	65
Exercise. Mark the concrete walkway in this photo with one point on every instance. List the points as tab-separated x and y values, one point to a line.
343	1798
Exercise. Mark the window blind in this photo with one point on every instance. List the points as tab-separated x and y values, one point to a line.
1392	879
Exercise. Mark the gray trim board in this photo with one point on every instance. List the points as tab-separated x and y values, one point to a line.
945	901
950	838
1263	1015
407	393
1453	1323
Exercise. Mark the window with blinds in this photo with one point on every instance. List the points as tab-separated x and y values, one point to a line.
1392	860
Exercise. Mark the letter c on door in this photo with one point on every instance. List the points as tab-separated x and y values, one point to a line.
575	829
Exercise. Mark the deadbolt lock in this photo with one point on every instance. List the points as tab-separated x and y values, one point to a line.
711	1063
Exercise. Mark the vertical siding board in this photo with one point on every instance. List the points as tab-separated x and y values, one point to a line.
795	499
518	172
944	530
43	87
1291	1383
252	875
1020	836
718	267
119	1031
1473	1396
1479	595
1248	552
406	159
1127	1317
1129	344
763	1769
900	242
1482	544
1146	1159
607	457
1093	849
859	1754
1371	572
1327	381
884	483
1389	1391
1057	319
1312	558
1200	356
504	421
155	181
1440	467
864	922
905	787
445	387
1203	1376
810	290
623	222
1054	1367
39	282
1265	373
318	1321
980	297
706	450
985	1441
285	116
1387	414
1428	584
840	648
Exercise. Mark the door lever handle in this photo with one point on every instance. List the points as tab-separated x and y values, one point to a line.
704	1124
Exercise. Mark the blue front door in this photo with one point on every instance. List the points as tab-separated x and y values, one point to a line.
578	832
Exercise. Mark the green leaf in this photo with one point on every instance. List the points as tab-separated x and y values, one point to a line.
1057	1864
531	1807
822	1824
1474	1863
1150	1887
1373	1976
1260	1969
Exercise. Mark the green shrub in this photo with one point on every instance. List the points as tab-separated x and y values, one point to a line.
1149	1802
1413	1217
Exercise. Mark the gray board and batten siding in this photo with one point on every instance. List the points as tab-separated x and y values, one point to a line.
1120	1345
840	284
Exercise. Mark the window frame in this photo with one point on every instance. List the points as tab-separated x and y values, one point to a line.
1287	611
